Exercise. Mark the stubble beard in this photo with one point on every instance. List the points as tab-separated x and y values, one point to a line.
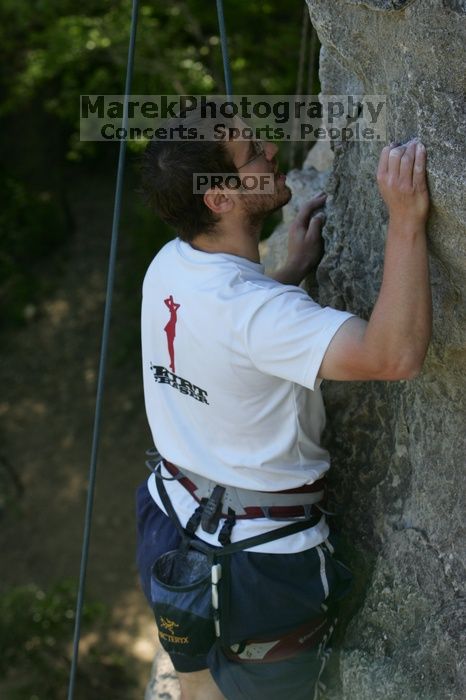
258	206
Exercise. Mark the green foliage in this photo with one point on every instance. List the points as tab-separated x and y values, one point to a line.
33	623
57	51
11	485
35	631
52	52
32	225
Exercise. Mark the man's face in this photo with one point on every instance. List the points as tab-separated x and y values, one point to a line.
259	157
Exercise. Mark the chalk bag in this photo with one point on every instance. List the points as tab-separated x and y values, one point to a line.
181	591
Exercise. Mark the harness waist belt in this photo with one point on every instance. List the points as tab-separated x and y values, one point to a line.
293	503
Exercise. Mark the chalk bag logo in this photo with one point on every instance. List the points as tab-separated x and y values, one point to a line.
168	625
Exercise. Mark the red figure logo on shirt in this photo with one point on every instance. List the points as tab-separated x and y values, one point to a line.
170	329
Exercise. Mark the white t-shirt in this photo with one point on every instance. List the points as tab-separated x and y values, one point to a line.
230	363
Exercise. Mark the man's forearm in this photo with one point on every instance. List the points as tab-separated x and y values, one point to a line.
400	325
393	344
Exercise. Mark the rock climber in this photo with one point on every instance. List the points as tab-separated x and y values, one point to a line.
241	455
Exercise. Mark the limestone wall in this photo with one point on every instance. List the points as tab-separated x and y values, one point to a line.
398	448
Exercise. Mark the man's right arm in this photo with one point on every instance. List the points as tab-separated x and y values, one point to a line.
393	343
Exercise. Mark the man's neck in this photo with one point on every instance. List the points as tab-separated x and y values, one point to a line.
241	242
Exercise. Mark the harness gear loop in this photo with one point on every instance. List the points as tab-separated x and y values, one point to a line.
216	576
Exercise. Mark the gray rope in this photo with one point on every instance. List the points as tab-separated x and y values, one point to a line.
299	83
224	43
305	145
103	354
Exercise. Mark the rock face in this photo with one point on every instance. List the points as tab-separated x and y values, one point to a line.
163	684
398	448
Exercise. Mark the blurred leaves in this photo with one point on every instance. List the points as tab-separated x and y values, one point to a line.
58	50
33	623
32	224
36	629
52	51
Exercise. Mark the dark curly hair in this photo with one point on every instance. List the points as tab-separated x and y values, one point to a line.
167	169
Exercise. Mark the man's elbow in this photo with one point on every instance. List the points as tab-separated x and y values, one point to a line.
411	372
408	366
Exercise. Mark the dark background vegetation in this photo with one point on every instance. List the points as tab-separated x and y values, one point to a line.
56	199
51	52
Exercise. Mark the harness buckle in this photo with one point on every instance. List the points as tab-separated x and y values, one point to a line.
195	519
212	510
225	533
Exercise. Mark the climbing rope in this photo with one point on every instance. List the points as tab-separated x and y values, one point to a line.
107	317
299	84
311	69
109	297
224	43
103	353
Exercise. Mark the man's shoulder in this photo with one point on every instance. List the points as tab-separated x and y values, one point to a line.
168	250
165	256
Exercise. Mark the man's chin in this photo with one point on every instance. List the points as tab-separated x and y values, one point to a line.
283	196
268	204
288	190
280	201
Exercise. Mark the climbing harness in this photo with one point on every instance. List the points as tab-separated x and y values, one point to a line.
191	607
244	503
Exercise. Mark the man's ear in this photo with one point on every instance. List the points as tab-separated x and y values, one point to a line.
217	201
